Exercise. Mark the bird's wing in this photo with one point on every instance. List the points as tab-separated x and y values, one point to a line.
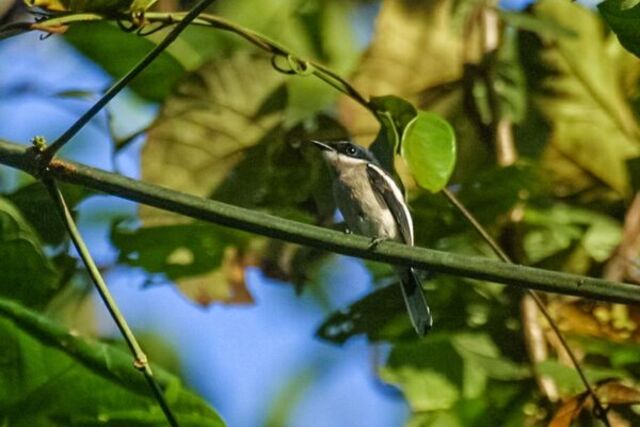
391	196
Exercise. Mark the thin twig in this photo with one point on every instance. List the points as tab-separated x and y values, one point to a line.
600	411
140	359
51	150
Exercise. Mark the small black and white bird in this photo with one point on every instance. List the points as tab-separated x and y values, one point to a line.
373	205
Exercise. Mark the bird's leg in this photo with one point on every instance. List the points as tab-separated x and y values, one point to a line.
375	241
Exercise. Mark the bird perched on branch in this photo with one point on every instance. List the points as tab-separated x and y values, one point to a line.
373	205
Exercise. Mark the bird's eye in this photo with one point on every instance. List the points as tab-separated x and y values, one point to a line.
351	150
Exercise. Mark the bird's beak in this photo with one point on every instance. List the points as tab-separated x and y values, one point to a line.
322	145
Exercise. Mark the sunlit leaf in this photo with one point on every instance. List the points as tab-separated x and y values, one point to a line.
76	6
568	411
67	380
211	119
429	148
441	372
592	125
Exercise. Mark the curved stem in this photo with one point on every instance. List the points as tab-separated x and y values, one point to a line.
51	150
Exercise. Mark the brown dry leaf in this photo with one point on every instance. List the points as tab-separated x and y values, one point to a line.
226	284
204	127
618	322
623	264
568	411
614	392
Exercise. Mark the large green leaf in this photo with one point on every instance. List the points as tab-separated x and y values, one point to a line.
117	52
442	372
580	95
50	376
27	274
623	16
429	148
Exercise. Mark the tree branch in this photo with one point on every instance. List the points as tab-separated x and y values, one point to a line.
267	225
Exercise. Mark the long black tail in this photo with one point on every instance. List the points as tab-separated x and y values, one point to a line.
416	302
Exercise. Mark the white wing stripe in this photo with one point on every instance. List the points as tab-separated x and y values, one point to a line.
397	193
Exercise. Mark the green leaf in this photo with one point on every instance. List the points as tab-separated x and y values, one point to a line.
177	251
27	274
118	52
557	228
593	127
50	376
623	16
442	370
507	83
36	205
429	148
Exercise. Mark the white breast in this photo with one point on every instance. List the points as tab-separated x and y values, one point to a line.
363	212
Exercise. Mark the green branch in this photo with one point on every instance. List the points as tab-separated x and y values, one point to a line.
267	225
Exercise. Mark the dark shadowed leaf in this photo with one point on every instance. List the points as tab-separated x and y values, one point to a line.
118	52
67	380
623	16
381	315
27	274
394	114
175	250
35	203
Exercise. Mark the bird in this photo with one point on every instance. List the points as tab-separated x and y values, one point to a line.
373	205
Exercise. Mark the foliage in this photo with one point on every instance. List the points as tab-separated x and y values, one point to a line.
556	91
